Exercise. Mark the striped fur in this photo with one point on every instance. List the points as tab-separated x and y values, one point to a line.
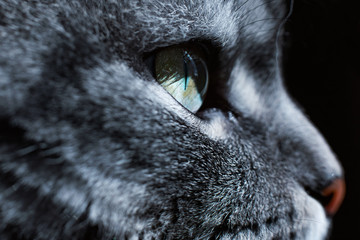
91	147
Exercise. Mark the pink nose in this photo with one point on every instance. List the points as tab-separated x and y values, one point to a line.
336	193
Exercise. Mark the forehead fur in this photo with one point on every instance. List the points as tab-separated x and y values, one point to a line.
151	24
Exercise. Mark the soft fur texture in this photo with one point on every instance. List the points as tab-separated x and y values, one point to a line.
92	147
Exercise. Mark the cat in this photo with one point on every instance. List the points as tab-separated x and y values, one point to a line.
156	120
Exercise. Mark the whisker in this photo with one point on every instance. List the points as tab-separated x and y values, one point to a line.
239	7
309	220
27	150
257	21
246	14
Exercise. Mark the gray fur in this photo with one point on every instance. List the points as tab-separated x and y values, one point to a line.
93	148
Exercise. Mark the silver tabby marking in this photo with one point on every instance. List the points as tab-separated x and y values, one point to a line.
91	147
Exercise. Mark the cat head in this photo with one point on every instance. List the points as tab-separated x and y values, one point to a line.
95	144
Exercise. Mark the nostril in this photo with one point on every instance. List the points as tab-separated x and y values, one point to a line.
334	194
331	196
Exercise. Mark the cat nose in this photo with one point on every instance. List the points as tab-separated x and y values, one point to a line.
334	193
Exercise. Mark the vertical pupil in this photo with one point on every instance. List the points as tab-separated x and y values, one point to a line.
190	68
185	69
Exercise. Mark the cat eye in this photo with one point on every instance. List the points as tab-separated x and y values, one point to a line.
182	72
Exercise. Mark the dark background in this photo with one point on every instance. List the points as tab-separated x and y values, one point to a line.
322	72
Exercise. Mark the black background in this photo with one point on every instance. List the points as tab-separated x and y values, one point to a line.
322	72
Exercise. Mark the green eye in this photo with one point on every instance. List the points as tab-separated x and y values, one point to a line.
182	71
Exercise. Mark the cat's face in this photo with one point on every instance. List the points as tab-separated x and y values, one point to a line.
95	146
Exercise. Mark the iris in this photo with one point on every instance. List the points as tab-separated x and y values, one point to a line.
182	71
